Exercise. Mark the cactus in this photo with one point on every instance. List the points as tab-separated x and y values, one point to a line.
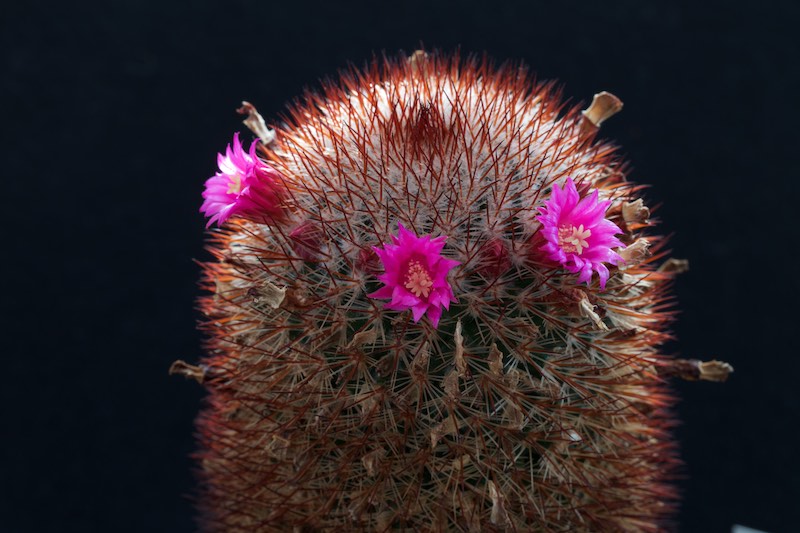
405	330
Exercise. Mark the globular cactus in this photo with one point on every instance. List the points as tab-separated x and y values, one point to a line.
433	308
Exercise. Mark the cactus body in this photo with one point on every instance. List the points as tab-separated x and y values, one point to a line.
533	405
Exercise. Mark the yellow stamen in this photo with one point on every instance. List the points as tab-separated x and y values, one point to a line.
418	281
235	185
573	240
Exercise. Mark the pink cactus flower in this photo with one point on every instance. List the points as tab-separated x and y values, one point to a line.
577	233
415	275
245	186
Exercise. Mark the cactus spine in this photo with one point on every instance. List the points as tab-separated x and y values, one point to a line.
535	404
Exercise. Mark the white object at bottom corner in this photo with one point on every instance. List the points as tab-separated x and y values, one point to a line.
744	529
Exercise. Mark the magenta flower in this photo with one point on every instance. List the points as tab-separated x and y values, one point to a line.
245	186
577	233
415	275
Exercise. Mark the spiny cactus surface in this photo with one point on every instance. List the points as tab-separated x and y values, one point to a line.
433	308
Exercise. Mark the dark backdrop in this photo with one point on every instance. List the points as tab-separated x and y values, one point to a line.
112	114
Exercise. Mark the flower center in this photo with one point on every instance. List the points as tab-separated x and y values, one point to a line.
235	185
573	240
418	281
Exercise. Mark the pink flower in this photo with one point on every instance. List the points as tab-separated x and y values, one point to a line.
577	234
245	186
415	275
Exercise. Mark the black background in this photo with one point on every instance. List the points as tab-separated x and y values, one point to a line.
112	115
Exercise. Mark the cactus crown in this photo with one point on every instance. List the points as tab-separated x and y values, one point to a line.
531	403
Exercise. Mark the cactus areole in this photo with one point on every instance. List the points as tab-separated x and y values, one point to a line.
436	304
